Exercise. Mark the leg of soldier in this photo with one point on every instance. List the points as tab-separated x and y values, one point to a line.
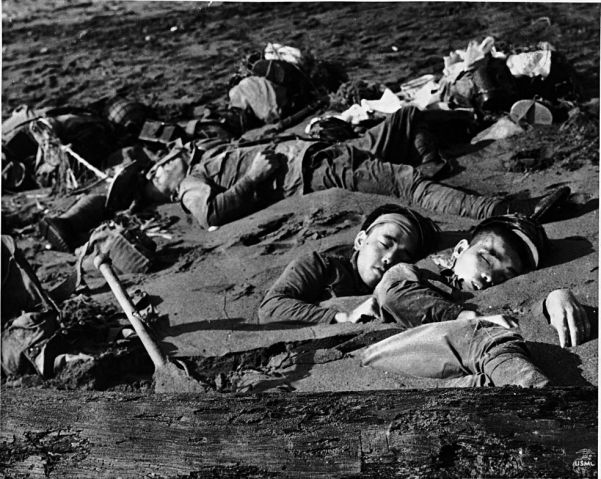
458	348
345	166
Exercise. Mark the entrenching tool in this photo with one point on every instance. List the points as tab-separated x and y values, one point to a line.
99	173
168	377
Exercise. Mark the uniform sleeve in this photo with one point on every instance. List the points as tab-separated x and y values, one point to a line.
406	297
212	205
294	294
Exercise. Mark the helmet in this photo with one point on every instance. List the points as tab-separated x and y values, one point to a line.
127	114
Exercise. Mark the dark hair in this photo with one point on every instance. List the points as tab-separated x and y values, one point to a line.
530	252
428	231
510	239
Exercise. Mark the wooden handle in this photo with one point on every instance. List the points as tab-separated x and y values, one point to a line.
103	264
100	174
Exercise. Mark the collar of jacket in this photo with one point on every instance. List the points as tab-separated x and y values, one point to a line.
360	286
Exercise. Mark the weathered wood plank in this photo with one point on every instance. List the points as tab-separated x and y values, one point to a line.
432	433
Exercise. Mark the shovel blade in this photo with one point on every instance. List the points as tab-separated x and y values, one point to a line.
172	379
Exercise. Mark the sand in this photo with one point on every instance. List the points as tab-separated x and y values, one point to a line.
207	285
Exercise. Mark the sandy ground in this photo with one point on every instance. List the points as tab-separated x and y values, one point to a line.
207	286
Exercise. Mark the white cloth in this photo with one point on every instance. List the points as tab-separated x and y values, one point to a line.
388	103
276	51
426	95
410	88
530	64
468	59
355	114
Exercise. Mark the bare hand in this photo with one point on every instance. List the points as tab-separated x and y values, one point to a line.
500	319
568	317
264	165
368	308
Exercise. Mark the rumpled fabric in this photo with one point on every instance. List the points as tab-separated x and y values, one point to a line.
20	288
481	352
24	343
36	319
530	64
276	51
264	98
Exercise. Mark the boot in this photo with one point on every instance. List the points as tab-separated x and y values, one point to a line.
536	208
70	230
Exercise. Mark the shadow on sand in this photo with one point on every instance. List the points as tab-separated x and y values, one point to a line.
559	364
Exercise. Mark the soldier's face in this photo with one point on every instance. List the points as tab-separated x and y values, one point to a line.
382	247
488	261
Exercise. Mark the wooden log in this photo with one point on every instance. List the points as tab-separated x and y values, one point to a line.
490	432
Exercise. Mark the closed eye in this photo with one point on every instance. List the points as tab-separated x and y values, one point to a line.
493	253
483	255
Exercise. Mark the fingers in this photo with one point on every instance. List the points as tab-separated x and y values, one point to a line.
507	322
573	328
568	317
273	159
561	325
513	323
501	320
366	311
497	319
567	329
578	324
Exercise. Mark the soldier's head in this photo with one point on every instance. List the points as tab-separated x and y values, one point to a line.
389	235
501	247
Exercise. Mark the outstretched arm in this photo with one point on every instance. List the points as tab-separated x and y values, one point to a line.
294	295
407	298
213	205
367	310
568	317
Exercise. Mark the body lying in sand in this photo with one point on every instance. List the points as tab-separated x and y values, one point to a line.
224	182
456	341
